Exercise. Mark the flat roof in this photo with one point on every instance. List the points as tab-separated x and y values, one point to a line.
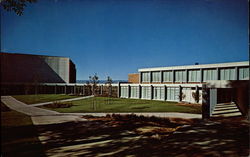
199	66
8	53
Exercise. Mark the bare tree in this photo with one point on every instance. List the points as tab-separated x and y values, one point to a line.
94	82
109	83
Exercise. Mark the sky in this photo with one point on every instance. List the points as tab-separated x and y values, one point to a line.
117	37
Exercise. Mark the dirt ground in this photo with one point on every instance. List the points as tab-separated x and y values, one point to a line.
139	136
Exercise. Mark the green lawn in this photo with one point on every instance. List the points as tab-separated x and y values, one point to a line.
19	135
126	105
40	98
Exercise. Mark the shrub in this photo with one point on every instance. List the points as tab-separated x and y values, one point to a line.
58	104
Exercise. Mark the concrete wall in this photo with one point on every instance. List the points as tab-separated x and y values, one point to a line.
22	68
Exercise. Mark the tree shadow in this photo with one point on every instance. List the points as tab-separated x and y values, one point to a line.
145	137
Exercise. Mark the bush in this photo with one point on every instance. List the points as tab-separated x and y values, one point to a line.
58	104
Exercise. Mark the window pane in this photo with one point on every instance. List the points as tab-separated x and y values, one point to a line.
156	77
145	76
243	73
167	76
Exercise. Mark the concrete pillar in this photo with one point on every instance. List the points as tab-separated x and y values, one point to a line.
205	102
55	89
83	90
139	88
150	76
161	76
197	90
180	93
140	78
65	89
129	91
74	89
173	76
152	92
119	90
165	92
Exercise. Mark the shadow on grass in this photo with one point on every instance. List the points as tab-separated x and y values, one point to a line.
18	135
123	136
21	141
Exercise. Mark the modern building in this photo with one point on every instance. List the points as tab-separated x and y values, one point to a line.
26	68
180	83
31	74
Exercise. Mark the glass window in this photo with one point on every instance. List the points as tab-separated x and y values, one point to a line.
172	93
146	93
168	76
134	92
209	74
145	76
156	76
158	93
194	76
227	74
244	73
124	92
180	76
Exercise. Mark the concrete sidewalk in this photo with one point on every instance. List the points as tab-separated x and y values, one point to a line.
39	116
43	116
65	100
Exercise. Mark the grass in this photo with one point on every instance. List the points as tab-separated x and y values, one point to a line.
40	98
126	105
19	135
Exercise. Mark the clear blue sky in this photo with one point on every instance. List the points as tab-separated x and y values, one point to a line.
116	37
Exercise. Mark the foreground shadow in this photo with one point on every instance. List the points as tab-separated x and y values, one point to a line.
124	136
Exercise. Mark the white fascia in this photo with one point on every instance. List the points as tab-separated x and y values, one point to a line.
201	66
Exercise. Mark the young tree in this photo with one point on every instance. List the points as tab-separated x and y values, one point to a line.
94	81
109	83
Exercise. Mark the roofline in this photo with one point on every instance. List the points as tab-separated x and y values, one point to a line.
201	66
33	55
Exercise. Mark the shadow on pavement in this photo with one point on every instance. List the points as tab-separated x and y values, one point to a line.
125	136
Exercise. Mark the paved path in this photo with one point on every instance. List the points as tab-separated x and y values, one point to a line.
65	100
42	116
39	116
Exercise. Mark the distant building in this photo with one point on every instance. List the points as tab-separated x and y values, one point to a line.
26	68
